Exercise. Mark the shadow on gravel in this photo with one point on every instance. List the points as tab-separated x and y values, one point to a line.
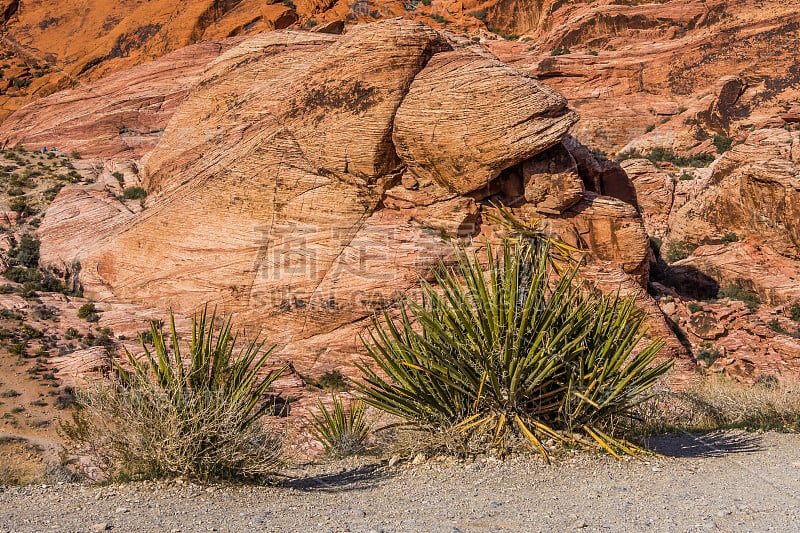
356	478
718	444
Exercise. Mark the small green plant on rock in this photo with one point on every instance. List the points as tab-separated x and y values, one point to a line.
695	307
679	250
735	292
330	381
134	193
87	311
794	311
775	325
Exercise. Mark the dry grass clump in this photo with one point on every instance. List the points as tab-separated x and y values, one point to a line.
197	415
721	403
196	437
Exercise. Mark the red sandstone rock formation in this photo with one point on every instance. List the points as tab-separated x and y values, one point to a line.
299	213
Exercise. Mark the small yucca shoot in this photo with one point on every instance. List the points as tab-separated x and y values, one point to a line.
343	430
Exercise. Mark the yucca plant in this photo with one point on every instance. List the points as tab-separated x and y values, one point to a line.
342	430
513	349
195	415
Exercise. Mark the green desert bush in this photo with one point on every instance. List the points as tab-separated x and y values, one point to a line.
794	311
330	381
735	292
660	154
517	351
134	193
342	430
87	311
695	307
197	415
678	250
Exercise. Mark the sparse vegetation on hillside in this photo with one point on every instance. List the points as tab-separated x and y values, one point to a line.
735	292
134	193
668	155
679	250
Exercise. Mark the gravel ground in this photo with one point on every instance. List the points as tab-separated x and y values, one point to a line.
724	482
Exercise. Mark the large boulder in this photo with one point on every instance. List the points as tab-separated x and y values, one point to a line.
610	229
551	179
467	117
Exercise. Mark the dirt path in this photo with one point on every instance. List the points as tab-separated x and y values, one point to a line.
726	482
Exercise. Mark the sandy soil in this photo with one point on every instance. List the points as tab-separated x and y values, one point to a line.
723	482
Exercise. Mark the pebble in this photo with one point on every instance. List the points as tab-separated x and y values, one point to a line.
122	510
102	526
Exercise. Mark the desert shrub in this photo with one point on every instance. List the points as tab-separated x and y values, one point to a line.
20	274
695	307
343	430
517	352
722	143
775	325
708	355
20	349
721	403
21	206
44	312
735	292
87	310
51	193
479	14
660	154
196	415
794	311
331	381
119	177
599	153
26	253
134	193
560	51
679	250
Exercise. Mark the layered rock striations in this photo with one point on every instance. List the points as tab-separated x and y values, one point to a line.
307	180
